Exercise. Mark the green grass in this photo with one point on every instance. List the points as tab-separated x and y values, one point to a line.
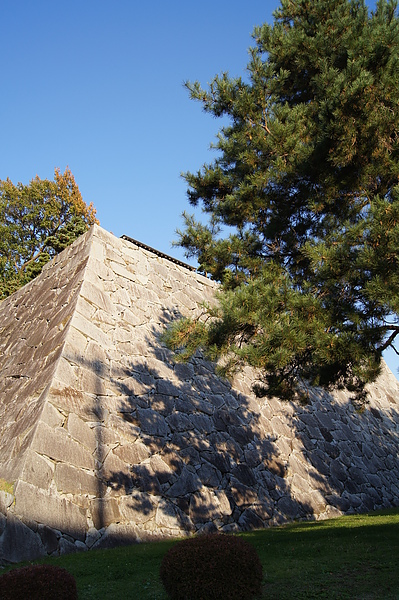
354	557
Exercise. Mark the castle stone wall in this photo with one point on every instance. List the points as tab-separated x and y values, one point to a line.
106	440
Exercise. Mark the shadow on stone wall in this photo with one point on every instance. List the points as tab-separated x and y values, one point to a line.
210	465
24	540
179	451
217	464
200	456
353	457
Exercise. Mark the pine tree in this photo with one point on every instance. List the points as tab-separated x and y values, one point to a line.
37	221
302	202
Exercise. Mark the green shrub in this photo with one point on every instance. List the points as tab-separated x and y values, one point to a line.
212	567
38	582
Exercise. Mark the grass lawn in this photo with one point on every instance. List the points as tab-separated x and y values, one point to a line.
354	557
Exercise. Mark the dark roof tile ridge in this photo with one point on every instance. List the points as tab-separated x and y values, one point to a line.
158	253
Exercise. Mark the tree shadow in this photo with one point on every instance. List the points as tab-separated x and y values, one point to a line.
199	457
216	463
178	451
353	456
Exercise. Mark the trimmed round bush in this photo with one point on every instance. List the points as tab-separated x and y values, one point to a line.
212	567
38	582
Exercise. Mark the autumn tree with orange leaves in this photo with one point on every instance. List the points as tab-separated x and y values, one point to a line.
37	221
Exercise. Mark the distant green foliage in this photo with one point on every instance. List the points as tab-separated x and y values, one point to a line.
38	582
37	221
212	567
302	202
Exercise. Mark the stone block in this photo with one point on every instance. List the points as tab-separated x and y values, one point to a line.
186	484
184	371
145	479
171	518
118	534
203	423
123	271
58	445
98	272
49	538
321	463
137	507
104	511
133	318
374	480
67	546
51	416
67	373
3	523
105	437
209	476
74	349
19	543
132	386
161	469
285	446
242	495
161	369
95	296
204	506
162	404
339	501
6	499
357	476
333	512
225	417
132	454
289	507
152	423
250	520
70	399
70	480
275	466
244	474
92	536
242	435
49	509
90	330
123	427
338	470
37	470
81	432
168	388
300	485
91	382
178	421
116	473
218	459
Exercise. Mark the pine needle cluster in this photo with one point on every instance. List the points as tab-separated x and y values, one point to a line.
302	201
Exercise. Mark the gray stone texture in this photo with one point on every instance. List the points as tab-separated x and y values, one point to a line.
107	441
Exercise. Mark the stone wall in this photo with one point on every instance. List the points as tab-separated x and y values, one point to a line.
107	441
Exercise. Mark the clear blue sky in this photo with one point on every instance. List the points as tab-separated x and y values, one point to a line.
98	86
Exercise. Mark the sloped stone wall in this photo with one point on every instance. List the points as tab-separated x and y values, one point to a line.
122	444
33	328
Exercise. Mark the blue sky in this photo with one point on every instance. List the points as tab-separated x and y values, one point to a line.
98	86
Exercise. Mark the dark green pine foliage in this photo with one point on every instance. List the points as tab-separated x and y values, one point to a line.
303	202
